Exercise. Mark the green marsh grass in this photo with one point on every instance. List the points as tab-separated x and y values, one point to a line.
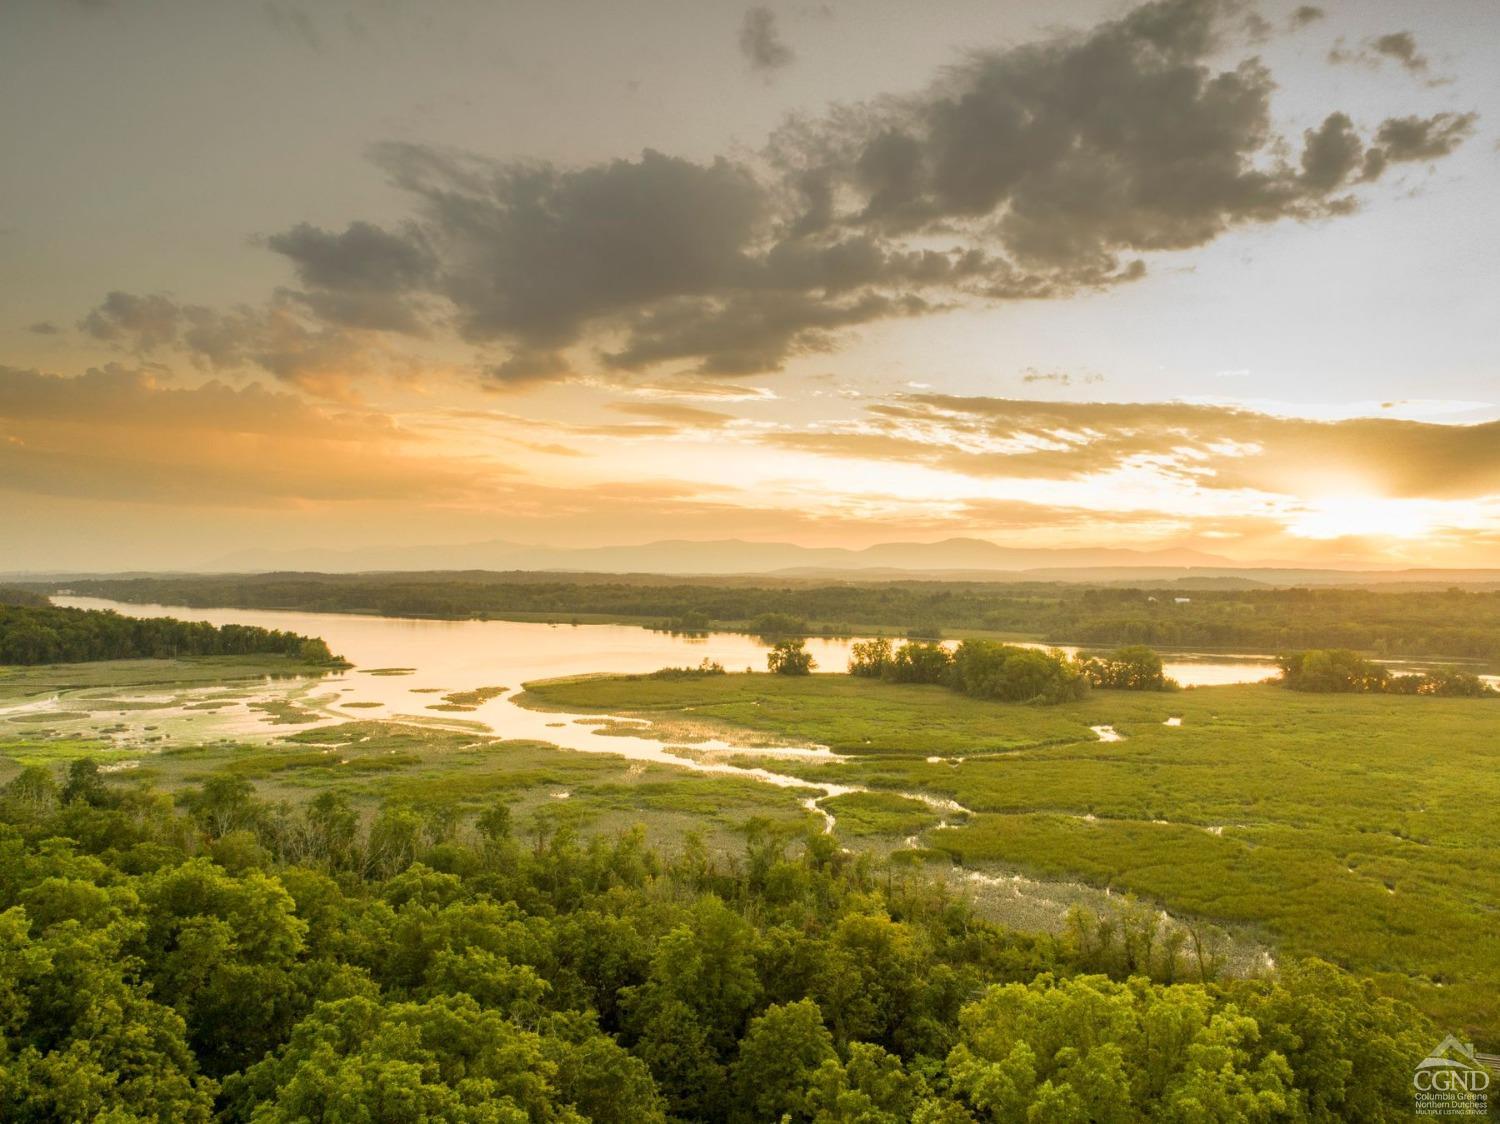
1363	829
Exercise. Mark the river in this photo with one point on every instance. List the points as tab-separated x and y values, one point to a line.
405	665
456	655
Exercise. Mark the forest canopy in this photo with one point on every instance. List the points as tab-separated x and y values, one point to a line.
46	633
239	960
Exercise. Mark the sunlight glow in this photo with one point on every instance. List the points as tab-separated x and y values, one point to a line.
1365	517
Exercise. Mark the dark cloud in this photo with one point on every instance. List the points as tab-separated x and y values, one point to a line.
361	278
1206	446
140	323
526	368
1424	138
273	338
1401	46
532	252
761	42
1035	172
362	257
1257	28
750	333
1304	16
1331	153
44	328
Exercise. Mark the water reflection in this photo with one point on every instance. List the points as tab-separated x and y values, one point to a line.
459	654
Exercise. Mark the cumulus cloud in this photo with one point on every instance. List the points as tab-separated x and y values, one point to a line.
141	323
1424	138
1216	447
361	278
1331	153
1034	172
526	368
1401	46
532	252
754	332
315	354
1304	16
761	42
1397	46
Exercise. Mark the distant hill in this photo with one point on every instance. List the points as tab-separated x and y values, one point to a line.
724	556
1245	577
741	562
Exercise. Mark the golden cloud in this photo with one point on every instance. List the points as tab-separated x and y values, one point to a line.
120	433
1218	447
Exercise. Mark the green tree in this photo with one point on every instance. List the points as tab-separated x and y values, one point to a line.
1350	1049
32	794
869	658
222	951
790	657
675	1046
602	1081
778	1060
358	1059
79	1039
1087	1049
1331	670
919	662
84	783
1132	668
873	1087
225	802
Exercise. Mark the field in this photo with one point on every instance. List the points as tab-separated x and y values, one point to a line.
1360	829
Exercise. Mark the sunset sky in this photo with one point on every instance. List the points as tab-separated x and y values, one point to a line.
348	273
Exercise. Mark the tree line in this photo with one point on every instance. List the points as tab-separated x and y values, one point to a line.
234	959
989	670
1382	622
46	633
1340	671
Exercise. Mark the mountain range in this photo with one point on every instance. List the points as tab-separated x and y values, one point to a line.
718	557
955	559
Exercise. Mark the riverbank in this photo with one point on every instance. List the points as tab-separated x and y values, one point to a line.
1429	625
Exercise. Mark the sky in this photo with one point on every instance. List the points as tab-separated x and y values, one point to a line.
1191	275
